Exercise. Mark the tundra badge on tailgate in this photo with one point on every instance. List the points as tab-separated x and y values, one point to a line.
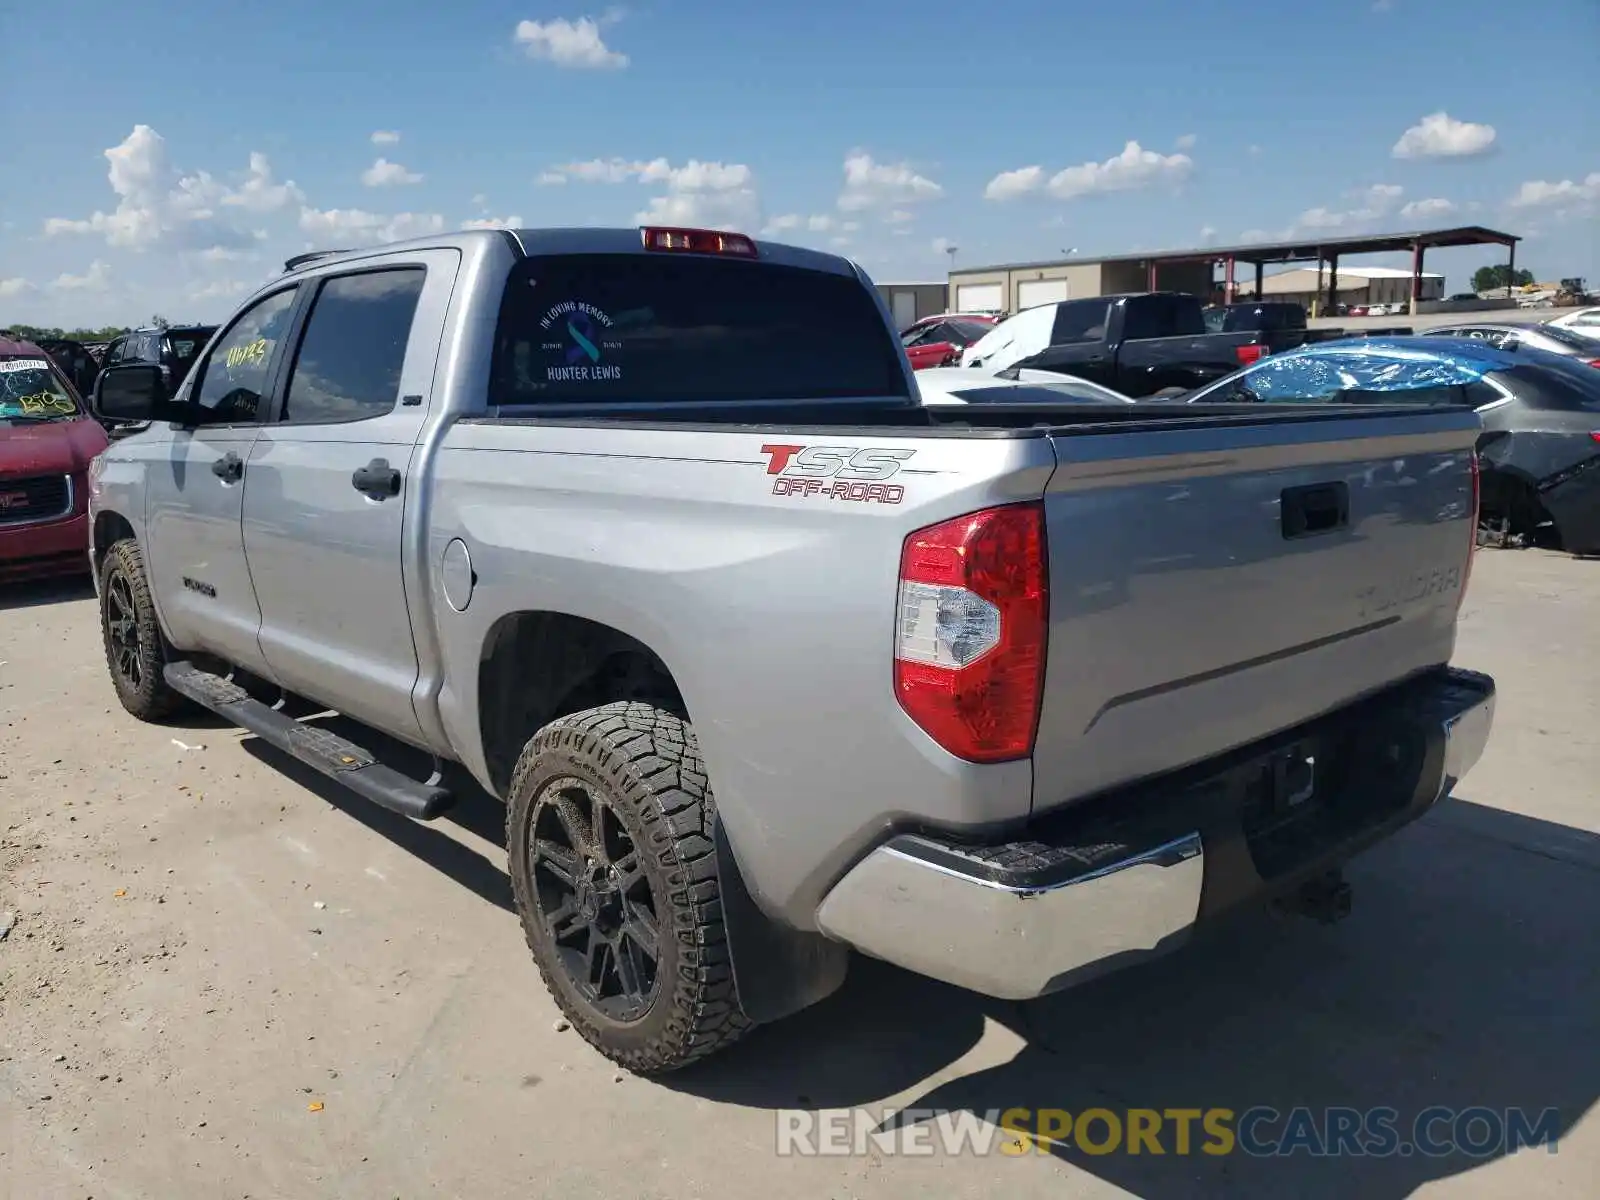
836	472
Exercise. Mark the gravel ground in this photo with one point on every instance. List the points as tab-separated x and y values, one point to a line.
223	978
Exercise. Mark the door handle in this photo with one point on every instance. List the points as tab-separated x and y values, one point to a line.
1319	508
377	479
229	468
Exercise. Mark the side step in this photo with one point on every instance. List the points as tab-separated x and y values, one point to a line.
338	759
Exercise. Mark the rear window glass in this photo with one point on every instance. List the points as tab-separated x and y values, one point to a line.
1080	321
666	328
1574	341
1566	384
1351	378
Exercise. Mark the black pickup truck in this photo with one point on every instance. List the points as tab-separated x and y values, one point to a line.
1136	344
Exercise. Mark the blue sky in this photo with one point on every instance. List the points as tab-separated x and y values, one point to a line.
169	167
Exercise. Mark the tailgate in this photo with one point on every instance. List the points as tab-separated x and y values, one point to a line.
1212	585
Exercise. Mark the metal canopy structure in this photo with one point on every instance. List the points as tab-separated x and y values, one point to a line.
1318	249
1328	249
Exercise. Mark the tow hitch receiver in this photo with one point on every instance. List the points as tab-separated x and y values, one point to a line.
1325	899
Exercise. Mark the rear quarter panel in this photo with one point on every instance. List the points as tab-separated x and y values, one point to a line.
773	608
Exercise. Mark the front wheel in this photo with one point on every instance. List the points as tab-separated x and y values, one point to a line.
609	834
136	652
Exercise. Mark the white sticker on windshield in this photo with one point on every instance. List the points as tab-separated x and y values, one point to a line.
580	339
7	366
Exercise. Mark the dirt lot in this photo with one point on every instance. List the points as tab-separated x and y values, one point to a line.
226	979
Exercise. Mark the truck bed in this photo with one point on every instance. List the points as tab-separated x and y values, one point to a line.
1183	622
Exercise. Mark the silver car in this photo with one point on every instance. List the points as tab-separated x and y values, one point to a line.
1554	339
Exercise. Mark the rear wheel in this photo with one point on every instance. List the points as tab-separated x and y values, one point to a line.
609	832
136	652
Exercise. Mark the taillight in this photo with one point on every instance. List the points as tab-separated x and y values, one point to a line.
970	631
1595	433
1472	529
1593	362
1252	353
698	241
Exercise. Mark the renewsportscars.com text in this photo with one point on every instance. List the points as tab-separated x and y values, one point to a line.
1261	1132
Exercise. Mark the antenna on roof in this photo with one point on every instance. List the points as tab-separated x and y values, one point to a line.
311	256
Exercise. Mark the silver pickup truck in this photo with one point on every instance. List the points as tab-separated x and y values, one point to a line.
625	520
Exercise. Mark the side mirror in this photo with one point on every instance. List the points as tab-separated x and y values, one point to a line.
133	392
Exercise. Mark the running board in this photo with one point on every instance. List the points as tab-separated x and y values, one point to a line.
340	760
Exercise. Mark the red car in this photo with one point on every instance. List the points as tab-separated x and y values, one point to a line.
47	440
939	341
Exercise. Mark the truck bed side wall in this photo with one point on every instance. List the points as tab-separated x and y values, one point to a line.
774	613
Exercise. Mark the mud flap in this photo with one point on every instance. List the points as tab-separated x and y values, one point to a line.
777	970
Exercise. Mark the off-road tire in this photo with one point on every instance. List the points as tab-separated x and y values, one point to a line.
646	763
149	698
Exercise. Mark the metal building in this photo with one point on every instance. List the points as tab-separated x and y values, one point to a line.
1357	285
1012	287
910	302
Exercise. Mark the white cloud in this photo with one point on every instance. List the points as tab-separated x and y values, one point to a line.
1372	204
260	193
384	173
1540	193
1254	150
15	286
479	200
356	227
869	184
567	43
1207	234
1187	141
96	279
221	289
1008	185
712	194
816	223
159	208
942	245
492	223
385	137
839	242
1430	209
1439	135
1134	168
899	216
218	254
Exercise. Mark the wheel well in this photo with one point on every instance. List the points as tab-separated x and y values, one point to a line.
1510	497
109	529
537	666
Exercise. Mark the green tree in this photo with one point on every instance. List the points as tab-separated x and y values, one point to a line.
44	333
1489	279
160	322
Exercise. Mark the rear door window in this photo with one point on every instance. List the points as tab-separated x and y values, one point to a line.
665	328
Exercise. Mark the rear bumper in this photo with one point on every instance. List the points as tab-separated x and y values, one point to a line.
1125	877
1573	502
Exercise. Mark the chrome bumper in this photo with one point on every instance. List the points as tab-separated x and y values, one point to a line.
1008	922
1015	942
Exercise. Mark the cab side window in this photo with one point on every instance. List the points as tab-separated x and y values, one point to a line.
349	361
234	375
